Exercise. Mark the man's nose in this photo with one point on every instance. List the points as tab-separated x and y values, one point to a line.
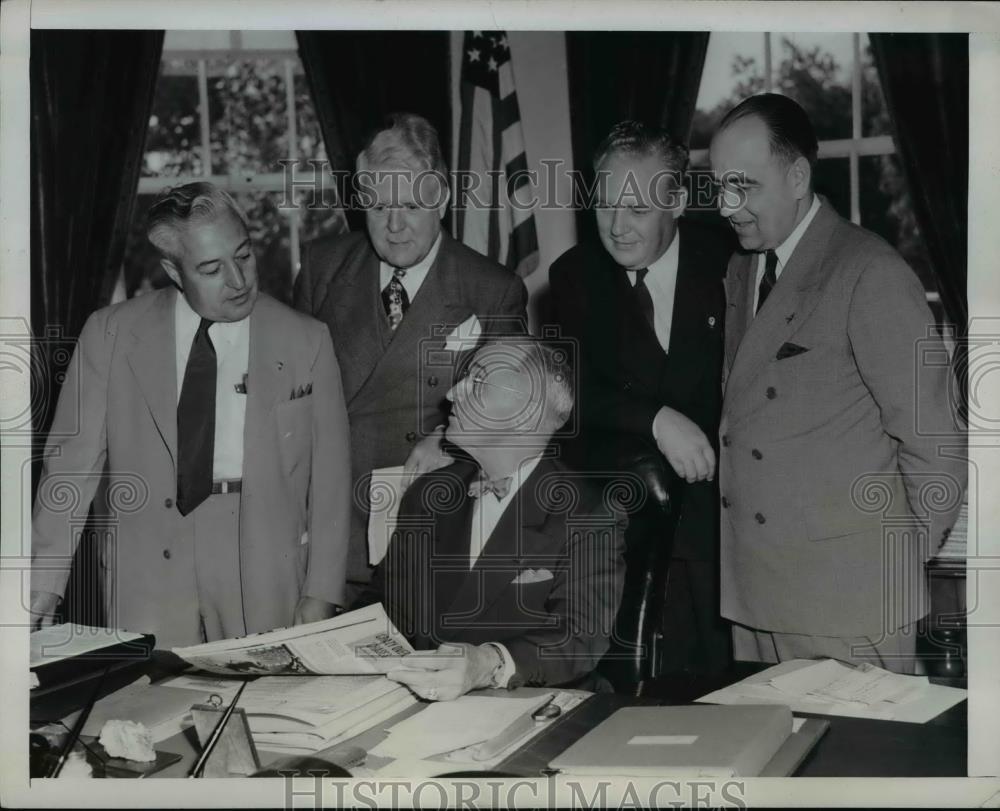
619	221
396	222
234	276
729	202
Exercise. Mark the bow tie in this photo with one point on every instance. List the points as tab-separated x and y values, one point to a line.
498	487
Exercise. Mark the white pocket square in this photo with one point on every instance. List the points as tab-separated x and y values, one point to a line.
532	576
465	336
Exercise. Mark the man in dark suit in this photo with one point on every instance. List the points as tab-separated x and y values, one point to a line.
509	562
404	303
647	309
842	465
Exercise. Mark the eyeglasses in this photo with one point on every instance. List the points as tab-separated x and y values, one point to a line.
478	378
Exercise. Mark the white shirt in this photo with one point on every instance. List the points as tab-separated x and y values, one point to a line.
414	276
231	340
661	281
784	250
486	514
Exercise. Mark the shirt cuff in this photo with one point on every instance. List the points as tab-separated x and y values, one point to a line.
504	672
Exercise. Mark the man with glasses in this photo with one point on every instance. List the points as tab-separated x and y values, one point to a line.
509	564
842	464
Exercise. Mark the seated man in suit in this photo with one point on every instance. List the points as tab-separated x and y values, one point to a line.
221	412
646	306
390	295
511	563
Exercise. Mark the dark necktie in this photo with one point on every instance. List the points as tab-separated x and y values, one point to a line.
394	298
768	280
644	299
196	423
498	487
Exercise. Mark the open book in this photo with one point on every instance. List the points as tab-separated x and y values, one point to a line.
357	642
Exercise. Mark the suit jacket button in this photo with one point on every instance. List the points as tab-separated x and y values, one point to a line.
771	393
168	503
725	440
166	554
411	436
760	518
756	454
628	385
432	380
725	503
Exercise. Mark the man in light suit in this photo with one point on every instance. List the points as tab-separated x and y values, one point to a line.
842	467
220	415
511	564
391	297
647	306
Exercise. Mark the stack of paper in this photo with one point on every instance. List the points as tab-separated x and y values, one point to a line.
956	546
448	725
296	715
829	687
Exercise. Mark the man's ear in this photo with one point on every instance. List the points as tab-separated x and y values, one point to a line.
443	207
681	197
801	174
173	272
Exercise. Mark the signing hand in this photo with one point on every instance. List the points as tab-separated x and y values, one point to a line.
312	609
43	609
684	445
425	457
449	672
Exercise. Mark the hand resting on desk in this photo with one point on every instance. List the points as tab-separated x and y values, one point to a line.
449	672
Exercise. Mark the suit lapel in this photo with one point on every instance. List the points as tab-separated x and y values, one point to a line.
504	552
796	295
689	317
739	281
357	313
269	377
153	360
413	336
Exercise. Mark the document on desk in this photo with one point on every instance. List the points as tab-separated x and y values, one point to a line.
362	641
448	725
828	687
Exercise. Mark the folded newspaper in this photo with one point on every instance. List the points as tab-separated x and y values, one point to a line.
357	642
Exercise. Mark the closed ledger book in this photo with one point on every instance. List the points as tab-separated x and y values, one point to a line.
685	741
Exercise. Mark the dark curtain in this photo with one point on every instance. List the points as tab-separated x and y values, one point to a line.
650	76
358	77
925	80
91	95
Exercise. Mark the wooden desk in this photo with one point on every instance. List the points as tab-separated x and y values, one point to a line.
852	747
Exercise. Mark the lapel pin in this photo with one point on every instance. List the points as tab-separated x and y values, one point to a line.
788	319
281	365
711	320
241	387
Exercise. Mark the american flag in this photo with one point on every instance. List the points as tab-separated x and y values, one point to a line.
491	139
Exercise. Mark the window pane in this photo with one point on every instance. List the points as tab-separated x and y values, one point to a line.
323	219
874	114
832	179
271	240
247	114
734	68
173	141
887	209
815	70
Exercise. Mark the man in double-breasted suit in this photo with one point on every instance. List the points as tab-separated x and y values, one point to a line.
392	297
220	417
509	564
650	375
842	467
